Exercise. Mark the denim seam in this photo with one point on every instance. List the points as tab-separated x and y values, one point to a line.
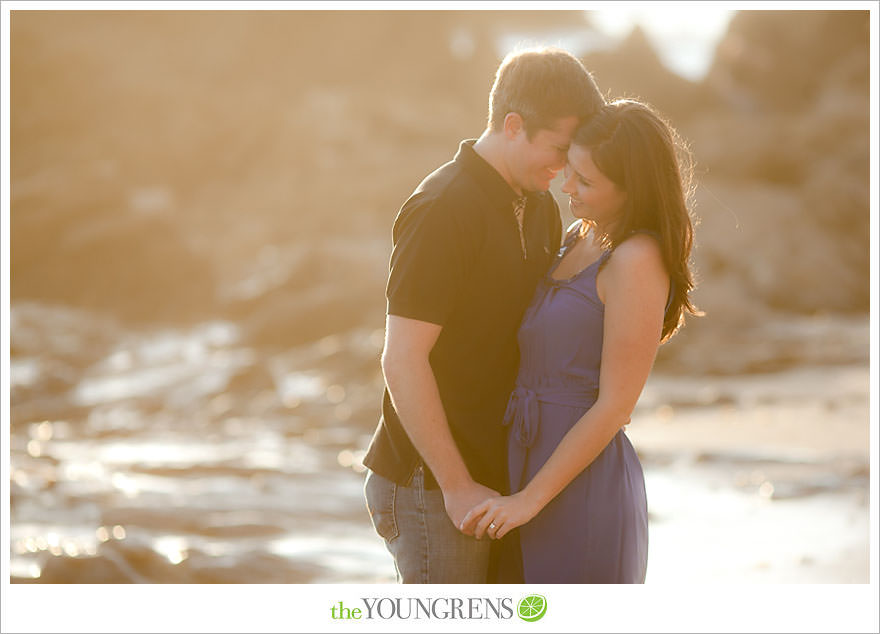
382	504
395	531
423	511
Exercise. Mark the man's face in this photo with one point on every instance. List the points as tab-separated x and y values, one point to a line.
535	162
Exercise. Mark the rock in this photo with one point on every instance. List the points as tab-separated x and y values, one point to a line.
782	60
116	562
152	202
633	70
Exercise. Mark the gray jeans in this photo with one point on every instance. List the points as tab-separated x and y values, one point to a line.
426	546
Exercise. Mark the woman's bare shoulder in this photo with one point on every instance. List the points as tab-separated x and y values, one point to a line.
640	253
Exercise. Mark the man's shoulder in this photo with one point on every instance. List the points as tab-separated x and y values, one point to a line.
448	191
449	181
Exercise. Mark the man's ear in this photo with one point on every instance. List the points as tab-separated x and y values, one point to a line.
513	124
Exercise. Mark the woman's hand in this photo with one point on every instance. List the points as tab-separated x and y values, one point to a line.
498	516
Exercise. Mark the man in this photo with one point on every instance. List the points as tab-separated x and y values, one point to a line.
470	245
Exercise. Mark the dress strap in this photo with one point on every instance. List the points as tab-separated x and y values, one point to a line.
571	238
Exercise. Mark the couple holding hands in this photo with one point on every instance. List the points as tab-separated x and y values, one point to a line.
515	352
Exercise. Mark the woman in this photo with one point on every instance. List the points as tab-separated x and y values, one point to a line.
617	290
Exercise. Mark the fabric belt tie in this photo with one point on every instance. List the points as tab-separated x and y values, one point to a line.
522	408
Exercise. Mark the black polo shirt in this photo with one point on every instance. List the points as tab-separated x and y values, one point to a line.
457	261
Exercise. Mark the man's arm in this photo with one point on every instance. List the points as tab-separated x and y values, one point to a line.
416	398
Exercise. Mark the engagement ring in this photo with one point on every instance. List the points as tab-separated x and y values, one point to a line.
492	525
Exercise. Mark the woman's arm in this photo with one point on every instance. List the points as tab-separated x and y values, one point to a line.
636	286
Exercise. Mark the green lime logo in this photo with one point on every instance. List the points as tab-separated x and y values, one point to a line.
532	608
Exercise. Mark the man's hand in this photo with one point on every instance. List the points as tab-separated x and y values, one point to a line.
498	516
460	500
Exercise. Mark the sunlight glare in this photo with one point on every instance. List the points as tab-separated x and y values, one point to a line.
684	38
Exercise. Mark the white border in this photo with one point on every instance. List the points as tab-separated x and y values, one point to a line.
286	608
4	295
291	608
875	315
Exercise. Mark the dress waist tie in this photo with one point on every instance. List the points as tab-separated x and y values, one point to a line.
522	408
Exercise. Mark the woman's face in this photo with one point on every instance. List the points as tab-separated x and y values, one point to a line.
592	195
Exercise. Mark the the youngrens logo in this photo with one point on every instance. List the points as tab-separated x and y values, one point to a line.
530	608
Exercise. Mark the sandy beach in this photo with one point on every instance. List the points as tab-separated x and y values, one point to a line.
130	475
753	490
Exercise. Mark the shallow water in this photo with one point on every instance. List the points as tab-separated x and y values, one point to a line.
188	456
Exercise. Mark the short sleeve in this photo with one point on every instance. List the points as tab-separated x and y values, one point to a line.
428	261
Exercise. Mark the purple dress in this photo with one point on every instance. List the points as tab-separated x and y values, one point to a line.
596	529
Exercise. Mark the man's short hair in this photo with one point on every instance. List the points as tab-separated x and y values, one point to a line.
542	85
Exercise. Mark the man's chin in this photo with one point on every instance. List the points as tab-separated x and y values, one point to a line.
541	186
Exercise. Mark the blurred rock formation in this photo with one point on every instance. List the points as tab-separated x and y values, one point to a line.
171	167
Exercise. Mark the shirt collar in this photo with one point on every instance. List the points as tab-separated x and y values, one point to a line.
487	177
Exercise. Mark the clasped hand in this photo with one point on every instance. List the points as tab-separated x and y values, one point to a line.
497	516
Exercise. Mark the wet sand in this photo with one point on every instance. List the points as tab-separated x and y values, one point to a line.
770	487
191	456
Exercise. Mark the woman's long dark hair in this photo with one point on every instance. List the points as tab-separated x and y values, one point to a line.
644	156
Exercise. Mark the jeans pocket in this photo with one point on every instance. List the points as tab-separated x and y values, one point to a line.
381	496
